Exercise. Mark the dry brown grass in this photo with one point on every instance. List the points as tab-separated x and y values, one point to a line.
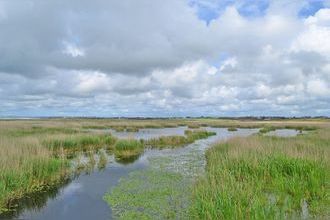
15	151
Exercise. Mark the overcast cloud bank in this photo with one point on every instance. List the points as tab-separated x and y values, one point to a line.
164	58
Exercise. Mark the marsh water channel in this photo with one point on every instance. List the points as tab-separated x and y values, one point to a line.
82	196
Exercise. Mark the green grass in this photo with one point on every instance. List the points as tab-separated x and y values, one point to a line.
125	148
167	142
193	126
265	178
232	129
193	135
150	194
265	130
41	130
178	141
102	160
77	143
132	129
33	153
38	174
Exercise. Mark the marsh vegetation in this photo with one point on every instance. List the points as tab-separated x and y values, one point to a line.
37	155
177	141
265	178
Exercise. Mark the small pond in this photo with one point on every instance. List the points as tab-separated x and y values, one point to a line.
284	133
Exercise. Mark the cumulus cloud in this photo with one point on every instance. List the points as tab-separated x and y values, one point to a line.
163	58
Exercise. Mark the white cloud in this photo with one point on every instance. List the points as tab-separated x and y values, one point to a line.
316	35
91	81
143	59
72	50
318	87
228	63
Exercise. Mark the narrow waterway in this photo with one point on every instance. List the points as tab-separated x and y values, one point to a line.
82	197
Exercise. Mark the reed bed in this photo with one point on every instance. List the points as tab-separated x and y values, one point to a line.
262	177
25	167
102	160
34	153
178	141
125	148
232	129
80	124
71	144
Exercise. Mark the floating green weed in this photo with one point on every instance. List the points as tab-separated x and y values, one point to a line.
150	194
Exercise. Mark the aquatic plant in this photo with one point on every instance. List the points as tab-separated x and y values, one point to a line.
193	126
265	178
177	141
167	142
193	135
28	163
91	161
232	129
79	142
102	160
119	128
150	194
132	129
127	148
266	129
27	173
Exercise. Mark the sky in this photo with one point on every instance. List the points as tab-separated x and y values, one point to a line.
156	58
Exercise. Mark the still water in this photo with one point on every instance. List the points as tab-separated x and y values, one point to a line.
82	197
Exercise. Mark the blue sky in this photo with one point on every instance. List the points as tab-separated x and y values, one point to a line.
209	10
165	58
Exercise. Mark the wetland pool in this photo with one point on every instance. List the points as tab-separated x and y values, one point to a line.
83	196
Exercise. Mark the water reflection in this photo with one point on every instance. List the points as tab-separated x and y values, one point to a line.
127	160
144	133
35	201
81	197
284	133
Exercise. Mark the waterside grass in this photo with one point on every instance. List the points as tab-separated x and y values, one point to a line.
28	167
69	145
232	129
178	141
262	177
125	148
34	153
102	160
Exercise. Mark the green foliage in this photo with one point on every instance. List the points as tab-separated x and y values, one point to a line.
167	141
37	175
75	143
132	129
125	148
102	160
128	144
265	178
232	129
266	129
150	194
193	126
193	135
178	141
41	130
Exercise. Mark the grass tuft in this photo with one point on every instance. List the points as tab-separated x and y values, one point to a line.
265	178
125	148
178	141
